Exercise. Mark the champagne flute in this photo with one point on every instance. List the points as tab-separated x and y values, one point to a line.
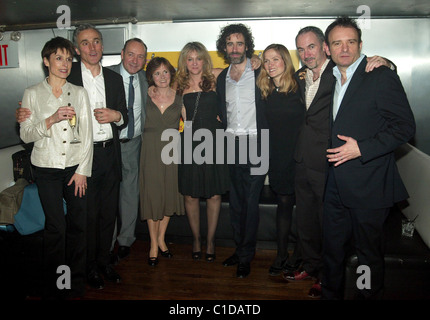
100	105
73	123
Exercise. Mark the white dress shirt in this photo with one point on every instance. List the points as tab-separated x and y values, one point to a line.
240	103
311	85
52	147
340	88
95	87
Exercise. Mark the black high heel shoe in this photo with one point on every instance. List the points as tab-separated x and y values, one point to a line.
196	255
166	254
210	257
153	261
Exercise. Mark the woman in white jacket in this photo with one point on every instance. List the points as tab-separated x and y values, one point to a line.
61	168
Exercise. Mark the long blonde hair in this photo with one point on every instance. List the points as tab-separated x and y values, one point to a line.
287	82
182	76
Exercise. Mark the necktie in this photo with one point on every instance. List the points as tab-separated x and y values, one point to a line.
130	132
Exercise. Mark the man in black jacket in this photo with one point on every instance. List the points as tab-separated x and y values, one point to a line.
242	115
105	86
370	118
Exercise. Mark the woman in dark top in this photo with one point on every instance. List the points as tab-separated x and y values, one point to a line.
285	112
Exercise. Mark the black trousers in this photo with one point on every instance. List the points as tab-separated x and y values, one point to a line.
64	235
103	194
365	227
245	191
309	188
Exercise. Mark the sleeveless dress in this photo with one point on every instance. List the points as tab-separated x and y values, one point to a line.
203	180
159	195
285	114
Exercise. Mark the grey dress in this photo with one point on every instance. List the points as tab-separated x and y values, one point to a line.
159	195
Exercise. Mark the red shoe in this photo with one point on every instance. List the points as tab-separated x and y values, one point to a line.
296	275
315	291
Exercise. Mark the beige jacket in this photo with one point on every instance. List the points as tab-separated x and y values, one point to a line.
52	148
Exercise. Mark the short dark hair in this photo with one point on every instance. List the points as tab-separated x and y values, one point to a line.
228	30
316	31
83	27
135	40
154	64
56	43
345	22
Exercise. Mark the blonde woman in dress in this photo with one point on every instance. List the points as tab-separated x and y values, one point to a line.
196	82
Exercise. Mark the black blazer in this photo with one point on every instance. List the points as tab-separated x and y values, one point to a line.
375	111
115	99
313	139
222	105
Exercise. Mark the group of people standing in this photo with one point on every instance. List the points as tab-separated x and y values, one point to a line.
307	144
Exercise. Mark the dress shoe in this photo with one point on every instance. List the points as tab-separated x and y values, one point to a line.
315	291
231	261
297	275
289	268
123	252
166	254
110	274
152	261
243	270
275	271
95	281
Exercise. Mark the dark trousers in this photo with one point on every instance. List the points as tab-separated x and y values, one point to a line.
245	191
103	194
64	235
365	227
309	188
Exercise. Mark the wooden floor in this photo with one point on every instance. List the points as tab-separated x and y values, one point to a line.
181	278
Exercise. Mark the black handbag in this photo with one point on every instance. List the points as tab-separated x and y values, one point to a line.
22	167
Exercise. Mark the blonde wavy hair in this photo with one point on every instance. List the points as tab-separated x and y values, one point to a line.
182	76
287	81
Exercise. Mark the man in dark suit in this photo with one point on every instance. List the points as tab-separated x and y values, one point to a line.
242	115
105	86
315	81
370	118
133	60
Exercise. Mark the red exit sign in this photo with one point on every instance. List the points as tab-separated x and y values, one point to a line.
9	55
3	55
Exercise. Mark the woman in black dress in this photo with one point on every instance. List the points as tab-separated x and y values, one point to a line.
285	112
196	82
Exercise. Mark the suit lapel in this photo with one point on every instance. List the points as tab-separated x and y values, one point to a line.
301	80
75	76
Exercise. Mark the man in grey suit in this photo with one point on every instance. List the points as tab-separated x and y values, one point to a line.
133	59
